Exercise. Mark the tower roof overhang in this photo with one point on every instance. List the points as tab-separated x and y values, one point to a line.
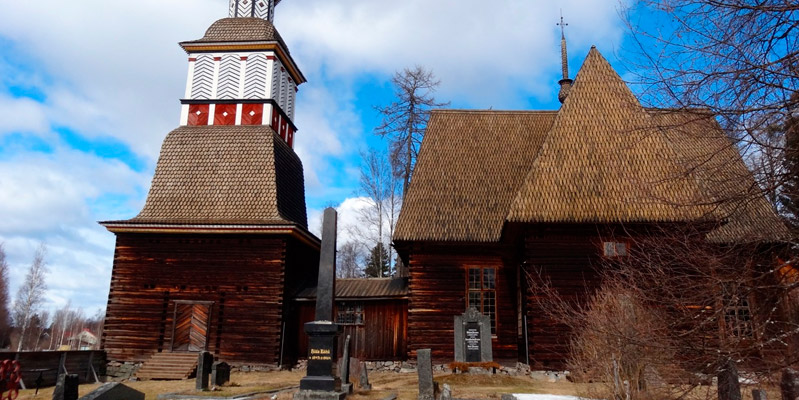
276	47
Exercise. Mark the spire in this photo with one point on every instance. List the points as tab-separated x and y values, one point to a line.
264	9
565	82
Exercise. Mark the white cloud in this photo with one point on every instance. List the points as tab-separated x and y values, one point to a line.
22	115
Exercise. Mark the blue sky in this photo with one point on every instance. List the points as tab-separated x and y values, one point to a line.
89	89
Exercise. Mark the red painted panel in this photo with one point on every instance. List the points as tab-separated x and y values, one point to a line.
225	114
291	137
275	120
198	114
252	114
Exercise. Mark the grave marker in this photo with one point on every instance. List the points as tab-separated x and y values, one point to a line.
473	337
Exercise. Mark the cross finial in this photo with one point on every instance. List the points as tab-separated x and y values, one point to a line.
562	25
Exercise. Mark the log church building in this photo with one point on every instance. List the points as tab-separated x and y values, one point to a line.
220	258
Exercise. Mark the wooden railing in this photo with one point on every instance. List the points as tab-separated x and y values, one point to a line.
41	368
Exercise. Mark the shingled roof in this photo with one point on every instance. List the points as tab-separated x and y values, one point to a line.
226	175
240	30
361	288
602	158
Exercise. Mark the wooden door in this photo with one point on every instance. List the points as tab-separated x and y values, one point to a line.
190	330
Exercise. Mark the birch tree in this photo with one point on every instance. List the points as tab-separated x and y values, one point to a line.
5	320
30	295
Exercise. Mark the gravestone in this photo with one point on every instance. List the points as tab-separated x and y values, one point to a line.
355	369
204	361
473	337
446	393
759	394
728	386
364	379
66	387
220	373
344	367
321	380
114	391
424	367
789	384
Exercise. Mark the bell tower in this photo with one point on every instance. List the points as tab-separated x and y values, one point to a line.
241	73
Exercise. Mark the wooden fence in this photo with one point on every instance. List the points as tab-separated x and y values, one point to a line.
44	366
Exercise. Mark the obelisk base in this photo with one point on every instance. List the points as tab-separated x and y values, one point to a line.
321	381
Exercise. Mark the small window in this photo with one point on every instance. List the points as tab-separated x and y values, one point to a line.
737	315
350	313
614	249
482	293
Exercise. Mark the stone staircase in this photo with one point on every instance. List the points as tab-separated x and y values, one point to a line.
168	366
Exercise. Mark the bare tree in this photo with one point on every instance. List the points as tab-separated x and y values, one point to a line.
738	59
380	189
30	295
5	316
348	260
405	120
676	308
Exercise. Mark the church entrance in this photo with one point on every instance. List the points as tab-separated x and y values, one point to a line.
190	327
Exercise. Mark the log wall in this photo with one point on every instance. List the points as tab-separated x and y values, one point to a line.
34	364
438	288
243	275
381	337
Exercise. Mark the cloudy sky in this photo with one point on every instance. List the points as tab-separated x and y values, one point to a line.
90	88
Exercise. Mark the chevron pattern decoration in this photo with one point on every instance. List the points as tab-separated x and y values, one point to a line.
203	80
255	77
264	9
229	77
275	90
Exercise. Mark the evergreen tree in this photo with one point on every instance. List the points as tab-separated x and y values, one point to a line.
377	265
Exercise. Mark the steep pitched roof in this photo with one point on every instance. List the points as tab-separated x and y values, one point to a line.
602	158
605	161
226	175
469	170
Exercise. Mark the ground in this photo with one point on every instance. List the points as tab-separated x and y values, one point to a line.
383	384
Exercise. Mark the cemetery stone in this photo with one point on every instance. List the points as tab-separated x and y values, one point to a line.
424	367
220	373
66	388
114	391
789	384
473	337
204	361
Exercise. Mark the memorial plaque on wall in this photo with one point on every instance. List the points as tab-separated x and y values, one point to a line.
472	337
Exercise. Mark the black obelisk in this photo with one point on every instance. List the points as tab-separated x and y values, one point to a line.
321	380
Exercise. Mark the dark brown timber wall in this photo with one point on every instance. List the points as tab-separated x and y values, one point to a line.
567	256
87	364
244	277
437	288
381	336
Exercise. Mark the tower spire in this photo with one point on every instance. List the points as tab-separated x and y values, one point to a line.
565	82
264	9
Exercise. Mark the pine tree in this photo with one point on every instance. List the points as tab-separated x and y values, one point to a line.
377	265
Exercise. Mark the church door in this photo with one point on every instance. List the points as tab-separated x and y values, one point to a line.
190	328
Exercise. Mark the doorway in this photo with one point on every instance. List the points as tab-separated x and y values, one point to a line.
190	326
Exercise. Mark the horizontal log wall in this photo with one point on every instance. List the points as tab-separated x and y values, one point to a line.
381	337
437	288
243	275
567	257
46	363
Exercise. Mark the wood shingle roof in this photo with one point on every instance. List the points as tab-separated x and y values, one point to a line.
226	175
601	158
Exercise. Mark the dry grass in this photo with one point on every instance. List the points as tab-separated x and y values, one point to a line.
383	384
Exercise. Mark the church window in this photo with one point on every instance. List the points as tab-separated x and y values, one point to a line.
737	314
615	249
482	292
350	313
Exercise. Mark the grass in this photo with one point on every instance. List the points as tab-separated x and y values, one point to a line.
383	384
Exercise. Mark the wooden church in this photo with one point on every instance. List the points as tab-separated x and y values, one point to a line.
222	243
499	194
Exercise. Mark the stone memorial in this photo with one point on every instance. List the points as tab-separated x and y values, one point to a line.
363	382
473	337
344	367
321	381
759	394
424	367
729	387
220	373
66	387
789	384
114	391
204	361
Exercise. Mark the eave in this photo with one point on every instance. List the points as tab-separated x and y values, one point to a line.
207	47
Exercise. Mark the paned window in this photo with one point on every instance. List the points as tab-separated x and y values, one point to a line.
614	249
482	292
737	316
350	313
